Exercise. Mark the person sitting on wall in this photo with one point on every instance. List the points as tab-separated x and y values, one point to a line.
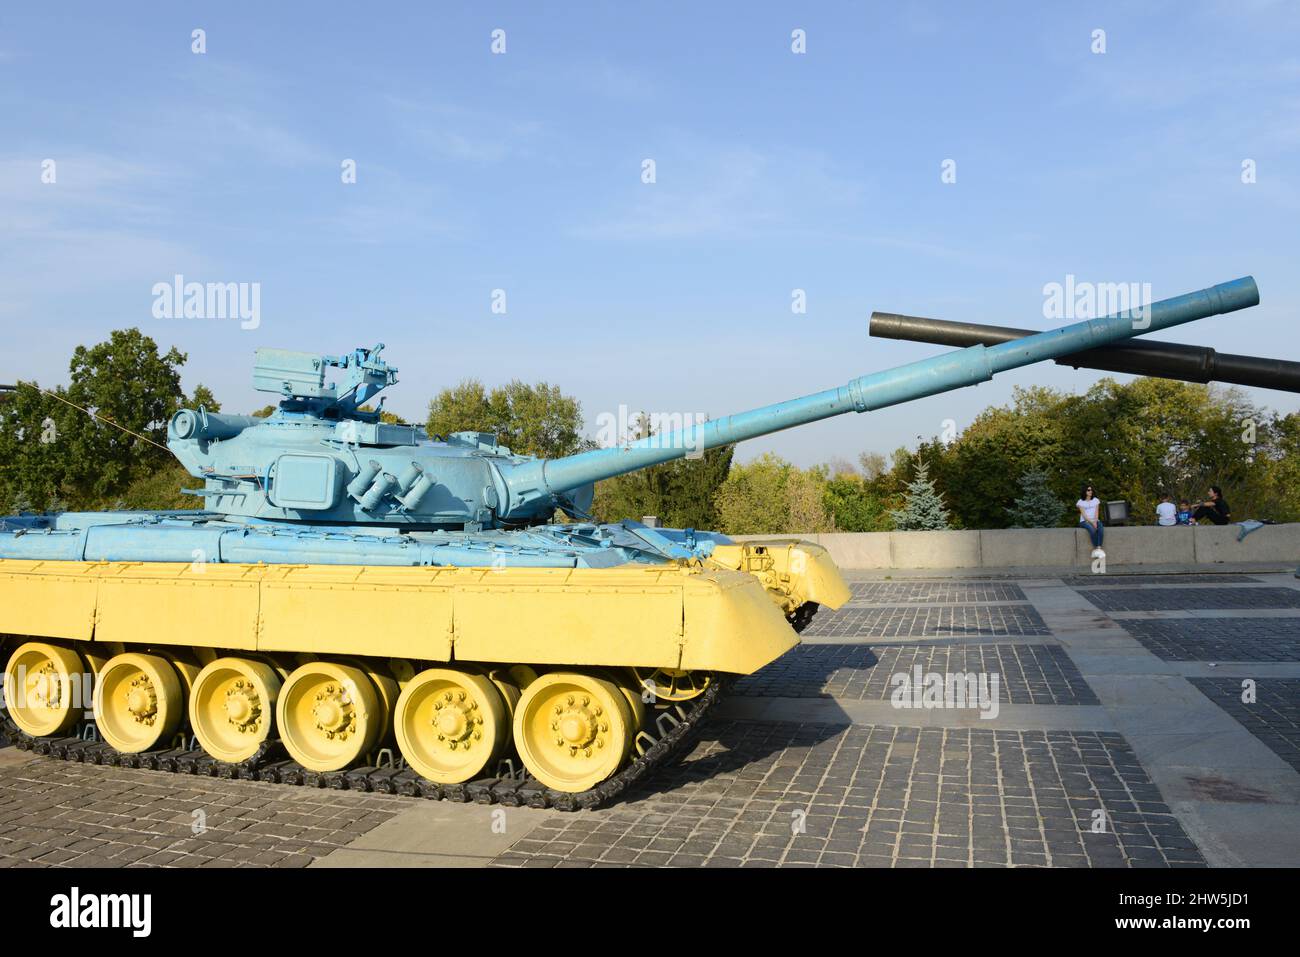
1088	506
1214	508
1166	514
1185	513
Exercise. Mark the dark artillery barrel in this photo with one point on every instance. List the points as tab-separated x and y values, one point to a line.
1166	360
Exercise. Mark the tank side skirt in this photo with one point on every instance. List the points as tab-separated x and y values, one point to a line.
629	616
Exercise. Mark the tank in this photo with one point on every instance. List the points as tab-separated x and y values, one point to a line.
356	604
1164	360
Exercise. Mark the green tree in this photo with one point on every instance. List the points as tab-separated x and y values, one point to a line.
923	508
204	399
132	389
1037	506
33	430
855	507
529	419
772	496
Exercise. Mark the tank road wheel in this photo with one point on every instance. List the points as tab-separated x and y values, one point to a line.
673	684
450	725
232	708
572	730
329	715
45	688
139	702
388	689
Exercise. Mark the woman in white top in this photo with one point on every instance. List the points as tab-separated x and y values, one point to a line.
1089	518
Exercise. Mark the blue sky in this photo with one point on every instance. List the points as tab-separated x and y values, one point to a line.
522	172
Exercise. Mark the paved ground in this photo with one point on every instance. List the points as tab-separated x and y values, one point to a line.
1144	721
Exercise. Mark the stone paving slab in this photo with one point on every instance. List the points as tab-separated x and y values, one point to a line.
894	593
1219	639
1128	581
762	794
1274	716
57	813
1181	599
892	621
1237	800
836	711
1027	674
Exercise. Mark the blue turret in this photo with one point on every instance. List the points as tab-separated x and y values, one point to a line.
320	459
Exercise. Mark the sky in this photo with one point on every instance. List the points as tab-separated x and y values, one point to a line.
517	179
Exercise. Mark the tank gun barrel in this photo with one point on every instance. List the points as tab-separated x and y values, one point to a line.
532	481
1166	360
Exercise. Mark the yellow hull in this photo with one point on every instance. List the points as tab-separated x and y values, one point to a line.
691	618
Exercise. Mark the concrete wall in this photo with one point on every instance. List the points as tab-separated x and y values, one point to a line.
1057	547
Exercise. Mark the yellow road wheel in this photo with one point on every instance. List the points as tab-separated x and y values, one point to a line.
387	687
232	708
451	725
46	688
505	683
329	715
139	702
186	670
572	730
673	684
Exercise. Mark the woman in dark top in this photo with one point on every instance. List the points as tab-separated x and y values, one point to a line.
1215	508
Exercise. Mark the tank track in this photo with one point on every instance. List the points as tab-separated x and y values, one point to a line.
271	764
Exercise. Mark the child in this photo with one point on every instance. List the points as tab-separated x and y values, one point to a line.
1166	514
1185	513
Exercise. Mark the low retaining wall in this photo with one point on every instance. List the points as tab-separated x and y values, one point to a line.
1057	547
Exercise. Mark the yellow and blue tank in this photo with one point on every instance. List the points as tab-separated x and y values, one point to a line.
356	603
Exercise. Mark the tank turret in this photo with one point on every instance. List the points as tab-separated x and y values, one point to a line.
321	458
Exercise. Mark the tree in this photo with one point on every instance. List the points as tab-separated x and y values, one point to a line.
771	496
132	390
872	464
923	508
203	399
680	493
1037	506
529	419
33	429
855	507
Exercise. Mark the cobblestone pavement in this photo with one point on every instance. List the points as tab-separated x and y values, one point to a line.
1273	717
1100	759
1027	674
1220	639
1185	599
760	794
933	621
78	815
1128	581
892	593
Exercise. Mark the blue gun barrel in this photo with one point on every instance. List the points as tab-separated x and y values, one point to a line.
942	373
